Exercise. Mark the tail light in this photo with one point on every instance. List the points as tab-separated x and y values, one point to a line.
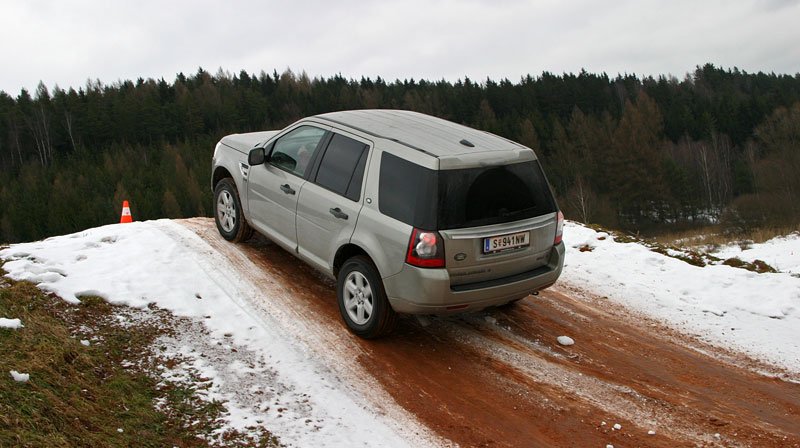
559	228
425	249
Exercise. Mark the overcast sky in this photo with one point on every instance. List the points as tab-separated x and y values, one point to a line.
67	42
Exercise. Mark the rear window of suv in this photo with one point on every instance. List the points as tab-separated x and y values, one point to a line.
484	196
454	199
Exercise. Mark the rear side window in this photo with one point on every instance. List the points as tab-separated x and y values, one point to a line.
407	192
342	167
493	195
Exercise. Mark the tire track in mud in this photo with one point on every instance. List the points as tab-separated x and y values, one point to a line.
316	337
498	378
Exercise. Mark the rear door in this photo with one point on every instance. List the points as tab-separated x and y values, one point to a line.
498	221
329	204
492	252
274	187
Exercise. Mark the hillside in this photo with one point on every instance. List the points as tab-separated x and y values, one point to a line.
639	153
287	364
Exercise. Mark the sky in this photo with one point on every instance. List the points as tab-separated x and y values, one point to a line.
65	43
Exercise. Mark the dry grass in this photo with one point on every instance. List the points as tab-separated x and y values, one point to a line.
715	236
81	396
76	395
689	247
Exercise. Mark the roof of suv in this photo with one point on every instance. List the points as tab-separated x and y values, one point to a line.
428	134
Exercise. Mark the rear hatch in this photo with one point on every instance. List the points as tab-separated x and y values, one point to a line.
496	221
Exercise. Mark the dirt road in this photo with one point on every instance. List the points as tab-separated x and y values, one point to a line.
499	378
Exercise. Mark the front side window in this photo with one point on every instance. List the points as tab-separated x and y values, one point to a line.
293	151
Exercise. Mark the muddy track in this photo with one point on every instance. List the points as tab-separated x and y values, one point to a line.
499	379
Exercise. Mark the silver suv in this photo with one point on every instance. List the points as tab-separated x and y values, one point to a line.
408	212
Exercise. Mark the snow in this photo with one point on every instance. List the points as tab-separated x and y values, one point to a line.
20	377
758	314
163	262
10	323
617	427
85	342
565	340
782	253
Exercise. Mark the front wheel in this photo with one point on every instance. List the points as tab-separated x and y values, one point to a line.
362	299
228	212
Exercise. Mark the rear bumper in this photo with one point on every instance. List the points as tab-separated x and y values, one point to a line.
427	291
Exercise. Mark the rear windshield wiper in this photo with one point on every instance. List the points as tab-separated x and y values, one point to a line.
505	214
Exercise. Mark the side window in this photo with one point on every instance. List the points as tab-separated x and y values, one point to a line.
407	192
342	167
293	151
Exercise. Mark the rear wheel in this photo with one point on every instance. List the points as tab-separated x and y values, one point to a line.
228	212
362	299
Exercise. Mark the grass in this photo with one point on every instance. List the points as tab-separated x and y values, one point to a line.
675	246
755	266
715	236
101	395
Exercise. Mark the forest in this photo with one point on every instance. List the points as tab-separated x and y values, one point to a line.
643	154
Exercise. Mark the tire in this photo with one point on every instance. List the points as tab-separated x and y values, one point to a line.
228	212
362	299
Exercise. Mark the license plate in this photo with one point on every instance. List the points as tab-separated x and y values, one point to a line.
506	242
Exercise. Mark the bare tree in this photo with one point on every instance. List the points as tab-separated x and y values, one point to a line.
15	138
68	121
705	171
580	198
714	161
723	166
39	125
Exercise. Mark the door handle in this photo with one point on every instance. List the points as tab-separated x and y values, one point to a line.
337	212
287	189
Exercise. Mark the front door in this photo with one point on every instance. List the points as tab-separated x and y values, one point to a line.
274	187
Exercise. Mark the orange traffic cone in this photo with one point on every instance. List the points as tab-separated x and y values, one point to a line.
126	213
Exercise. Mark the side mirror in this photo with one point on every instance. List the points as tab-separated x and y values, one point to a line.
256	157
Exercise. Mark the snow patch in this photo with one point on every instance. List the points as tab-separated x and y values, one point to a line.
565	340
164	263
10	323
20	377
757	314
782	253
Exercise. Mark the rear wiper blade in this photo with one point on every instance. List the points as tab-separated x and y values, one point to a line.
506	214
